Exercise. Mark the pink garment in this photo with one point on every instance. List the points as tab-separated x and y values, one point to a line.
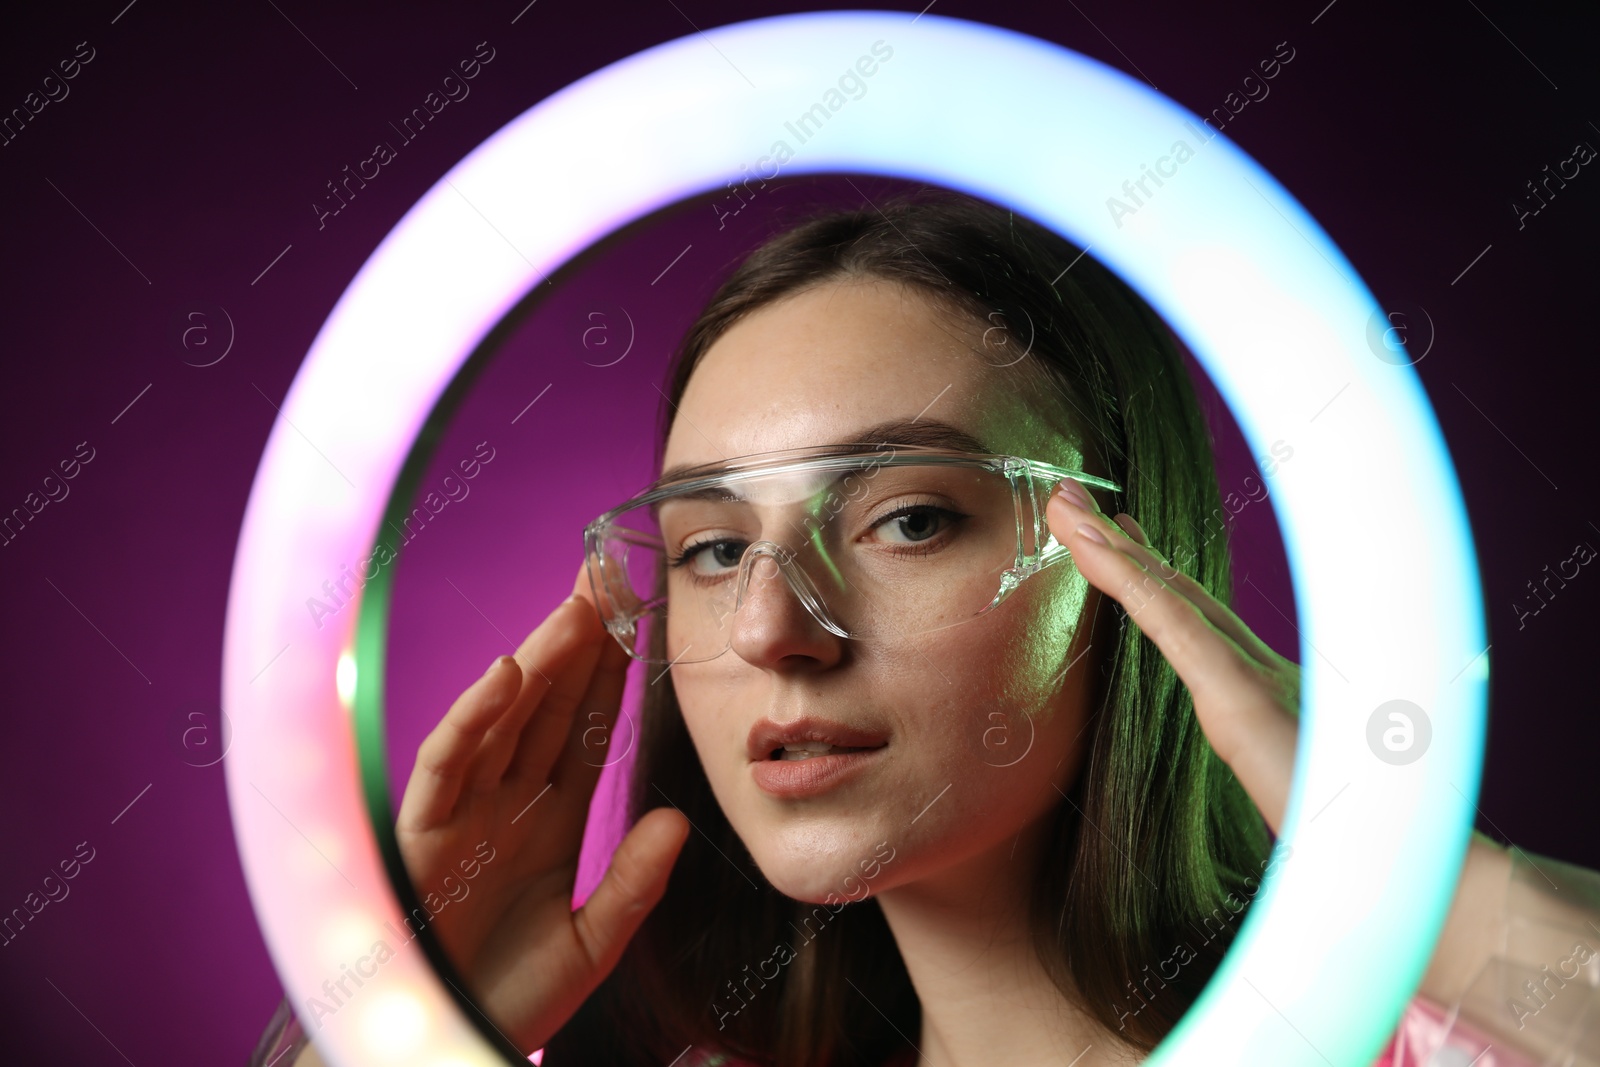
1426	1030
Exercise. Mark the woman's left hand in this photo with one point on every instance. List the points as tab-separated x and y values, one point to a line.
1246	696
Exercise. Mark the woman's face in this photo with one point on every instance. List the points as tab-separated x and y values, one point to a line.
980	724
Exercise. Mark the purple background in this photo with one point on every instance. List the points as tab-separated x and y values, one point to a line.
187	157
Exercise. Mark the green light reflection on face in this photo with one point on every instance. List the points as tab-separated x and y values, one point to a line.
814	508
1022	415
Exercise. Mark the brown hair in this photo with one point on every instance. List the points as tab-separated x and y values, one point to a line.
1174	836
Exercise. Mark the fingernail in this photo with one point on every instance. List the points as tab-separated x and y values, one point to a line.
1075	494
1133	528
1093	534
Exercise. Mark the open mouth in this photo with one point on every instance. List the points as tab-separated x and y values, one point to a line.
796	770
802	750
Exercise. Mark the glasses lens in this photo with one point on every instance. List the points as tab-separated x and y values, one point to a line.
875	552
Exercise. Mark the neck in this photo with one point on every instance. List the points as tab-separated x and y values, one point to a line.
986	998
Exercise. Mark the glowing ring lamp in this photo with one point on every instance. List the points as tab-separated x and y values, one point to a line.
1341	934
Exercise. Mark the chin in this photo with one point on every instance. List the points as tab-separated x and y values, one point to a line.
806	881
821	864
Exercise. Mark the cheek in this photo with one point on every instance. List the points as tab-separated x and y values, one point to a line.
1001	722
709	712
719	701
1013	681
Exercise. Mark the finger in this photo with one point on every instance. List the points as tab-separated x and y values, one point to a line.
1131	526
1126	535
558	659
1208	660
593	742
633	884
447	755
1216	612
545	711
500	743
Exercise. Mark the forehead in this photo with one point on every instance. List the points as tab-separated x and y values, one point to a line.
823	365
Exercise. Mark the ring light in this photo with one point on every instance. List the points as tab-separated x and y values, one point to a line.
1339	938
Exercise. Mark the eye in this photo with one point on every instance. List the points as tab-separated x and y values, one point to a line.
711	557
915	524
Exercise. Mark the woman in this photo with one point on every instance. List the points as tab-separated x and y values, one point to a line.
875	815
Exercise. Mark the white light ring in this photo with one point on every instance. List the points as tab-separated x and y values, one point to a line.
1392	609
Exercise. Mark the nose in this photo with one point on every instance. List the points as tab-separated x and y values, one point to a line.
773	628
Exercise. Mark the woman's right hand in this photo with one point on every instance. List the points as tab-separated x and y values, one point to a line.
509	765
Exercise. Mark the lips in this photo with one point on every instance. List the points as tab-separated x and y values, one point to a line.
809	738
808	757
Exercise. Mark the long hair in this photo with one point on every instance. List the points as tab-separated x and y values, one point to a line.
1156	838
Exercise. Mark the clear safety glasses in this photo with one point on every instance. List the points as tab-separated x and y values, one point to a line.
872	540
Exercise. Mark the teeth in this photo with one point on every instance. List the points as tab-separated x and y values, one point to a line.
800	750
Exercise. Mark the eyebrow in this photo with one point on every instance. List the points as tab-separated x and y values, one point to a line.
918	432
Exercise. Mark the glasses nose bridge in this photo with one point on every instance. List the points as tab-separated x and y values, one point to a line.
794	576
